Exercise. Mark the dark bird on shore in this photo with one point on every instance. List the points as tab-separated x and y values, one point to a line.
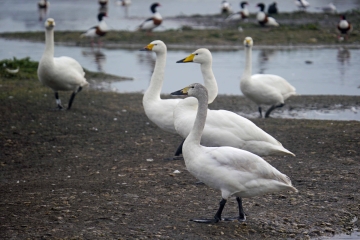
97	31
242	14
263	19
152	22
344	27
273	8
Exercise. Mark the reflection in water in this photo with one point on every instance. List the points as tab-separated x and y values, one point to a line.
343	57
148	59
263	58
103	9
98	57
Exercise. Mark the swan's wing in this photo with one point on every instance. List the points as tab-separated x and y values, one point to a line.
69	62
237	162
161	112
273	81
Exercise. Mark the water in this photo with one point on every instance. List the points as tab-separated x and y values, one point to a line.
23	15
332	71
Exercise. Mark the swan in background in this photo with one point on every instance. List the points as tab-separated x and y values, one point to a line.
302	4
233	171
265	89
330	8
273	8
153	22
263	19
242	14
159	111
97	31
225	7
344	27
222	128
62	73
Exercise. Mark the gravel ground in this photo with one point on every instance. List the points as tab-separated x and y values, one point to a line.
98	172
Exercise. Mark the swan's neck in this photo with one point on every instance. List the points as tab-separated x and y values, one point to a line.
194	136
49	43
248	64
157	78
209	81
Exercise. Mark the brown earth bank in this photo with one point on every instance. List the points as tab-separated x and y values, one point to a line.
98	171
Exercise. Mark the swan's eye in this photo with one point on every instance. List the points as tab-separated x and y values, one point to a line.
196	54
155	44
192	87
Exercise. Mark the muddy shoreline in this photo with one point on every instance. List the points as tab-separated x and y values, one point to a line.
98	172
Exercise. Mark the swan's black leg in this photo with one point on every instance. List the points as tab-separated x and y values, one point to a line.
179	149
217	216
72	97
260	112
267	114
58	101
242	216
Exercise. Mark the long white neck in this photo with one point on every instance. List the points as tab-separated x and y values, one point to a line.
194	136
209	81
248	64
49	43
157	78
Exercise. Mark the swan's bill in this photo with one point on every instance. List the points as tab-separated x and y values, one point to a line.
183	91
148	47
50	22
189	58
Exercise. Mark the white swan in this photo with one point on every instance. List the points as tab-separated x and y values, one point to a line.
152	22
233	171
263	19
222	128
159	111
264	89
62	73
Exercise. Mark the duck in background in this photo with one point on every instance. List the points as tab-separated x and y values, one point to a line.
124	3
344	27
225	7
152	22
263	19
59	73
97	31
273	8
103	3
242	14
43	6
233	171
302	4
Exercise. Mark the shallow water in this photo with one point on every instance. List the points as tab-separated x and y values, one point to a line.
23	15
332	71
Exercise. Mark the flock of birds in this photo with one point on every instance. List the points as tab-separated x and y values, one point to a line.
220	148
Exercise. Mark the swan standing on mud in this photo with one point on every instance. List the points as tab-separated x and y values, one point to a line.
264	89
233	171
62	73
222	127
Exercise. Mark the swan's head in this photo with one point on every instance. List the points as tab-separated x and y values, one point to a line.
194	90
248	42
49	23
156	46
202	55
